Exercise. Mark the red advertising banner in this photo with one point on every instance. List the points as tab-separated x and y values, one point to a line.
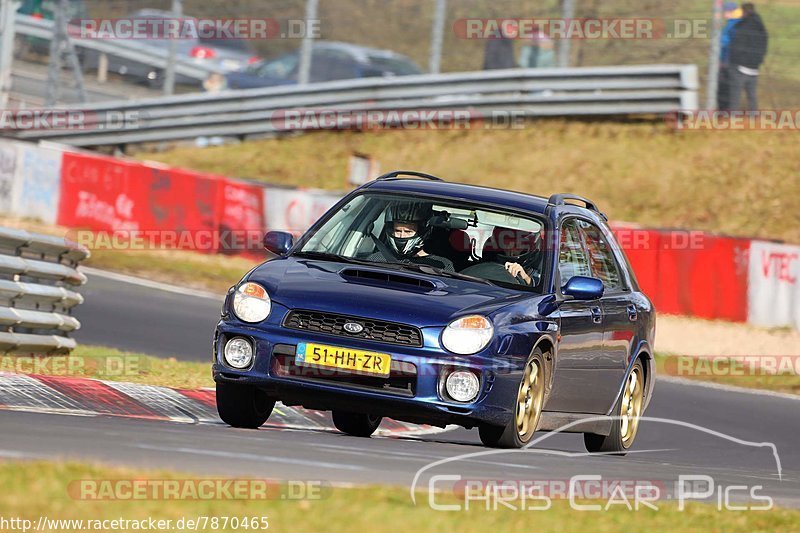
100	193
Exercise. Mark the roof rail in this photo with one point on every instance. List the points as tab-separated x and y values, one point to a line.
561	199
396	173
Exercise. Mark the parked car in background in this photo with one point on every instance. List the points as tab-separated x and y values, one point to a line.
225	55
330	61
44	10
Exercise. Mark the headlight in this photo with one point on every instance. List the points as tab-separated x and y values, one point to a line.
251	302
468	335
462	386
238	352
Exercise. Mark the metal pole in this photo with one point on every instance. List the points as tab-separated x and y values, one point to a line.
169	74
53	89
565	45
437	36
304	72
713	59
8	10
72	54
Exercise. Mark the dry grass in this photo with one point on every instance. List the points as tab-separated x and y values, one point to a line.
740	183
52	489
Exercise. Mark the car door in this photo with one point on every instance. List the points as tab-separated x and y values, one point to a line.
581	332
619	311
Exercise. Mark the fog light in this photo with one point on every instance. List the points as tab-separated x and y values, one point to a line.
462	386
238	352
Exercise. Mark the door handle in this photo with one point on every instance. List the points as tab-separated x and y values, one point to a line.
633	314
597	315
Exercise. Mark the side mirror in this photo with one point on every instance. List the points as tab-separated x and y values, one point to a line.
583	288
278	242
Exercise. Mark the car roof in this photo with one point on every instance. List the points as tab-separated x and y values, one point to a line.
356	50
462	191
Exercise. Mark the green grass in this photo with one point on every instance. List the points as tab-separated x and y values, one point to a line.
739	183
104	363
727	372
33	489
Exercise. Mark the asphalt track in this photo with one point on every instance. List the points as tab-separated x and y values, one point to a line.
737	438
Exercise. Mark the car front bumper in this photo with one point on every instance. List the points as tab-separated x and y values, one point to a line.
414	391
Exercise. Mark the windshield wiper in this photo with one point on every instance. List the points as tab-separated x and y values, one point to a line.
436	271
327	256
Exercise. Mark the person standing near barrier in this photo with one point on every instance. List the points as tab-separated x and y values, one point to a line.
747	51
733	15
499	50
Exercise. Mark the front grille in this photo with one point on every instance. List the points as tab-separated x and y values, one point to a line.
374	330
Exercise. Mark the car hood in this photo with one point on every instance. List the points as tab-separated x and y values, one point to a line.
359	290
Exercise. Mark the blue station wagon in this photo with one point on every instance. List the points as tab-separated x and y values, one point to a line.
441	303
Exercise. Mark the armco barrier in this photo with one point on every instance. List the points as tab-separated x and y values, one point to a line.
38	282
774	285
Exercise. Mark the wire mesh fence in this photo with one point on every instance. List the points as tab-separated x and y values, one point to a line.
681	32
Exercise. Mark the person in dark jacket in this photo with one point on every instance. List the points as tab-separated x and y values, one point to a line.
746	54
733	15
499	51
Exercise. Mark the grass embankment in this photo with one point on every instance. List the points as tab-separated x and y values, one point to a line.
31	490
741	372
100	362
739	183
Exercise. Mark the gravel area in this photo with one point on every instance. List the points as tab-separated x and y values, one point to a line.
697	337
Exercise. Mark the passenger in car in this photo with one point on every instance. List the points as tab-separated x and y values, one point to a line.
407	230
518	251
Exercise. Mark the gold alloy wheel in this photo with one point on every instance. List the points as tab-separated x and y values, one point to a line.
530	399
631	407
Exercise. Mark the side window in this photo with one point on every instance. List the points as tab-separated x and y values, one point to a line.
601	257
572	258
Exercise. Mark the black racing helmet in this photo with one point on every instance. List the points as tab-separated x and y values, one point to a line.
418	213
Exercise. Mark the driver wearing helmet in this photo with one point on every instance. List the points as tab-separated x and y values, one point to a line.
407	229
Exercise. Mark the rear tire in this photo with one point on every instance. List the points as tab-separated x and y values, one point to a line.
356	424
527	409
627	412
243	406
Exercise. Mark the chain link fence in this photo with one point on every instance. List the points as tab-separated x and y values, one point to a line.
405	26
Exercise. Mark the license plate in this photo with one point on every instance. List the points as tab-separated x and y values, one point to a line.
309	354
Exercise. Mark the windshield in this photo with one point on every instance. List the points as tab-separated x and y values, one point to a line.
446	238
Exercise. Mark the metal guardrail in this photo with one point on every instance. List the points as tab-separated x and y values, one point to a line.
38	282
626	90
131	50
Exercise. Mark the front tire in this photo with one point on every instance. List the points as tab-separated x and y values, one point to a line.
243	406
528	409
626	422
356	424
